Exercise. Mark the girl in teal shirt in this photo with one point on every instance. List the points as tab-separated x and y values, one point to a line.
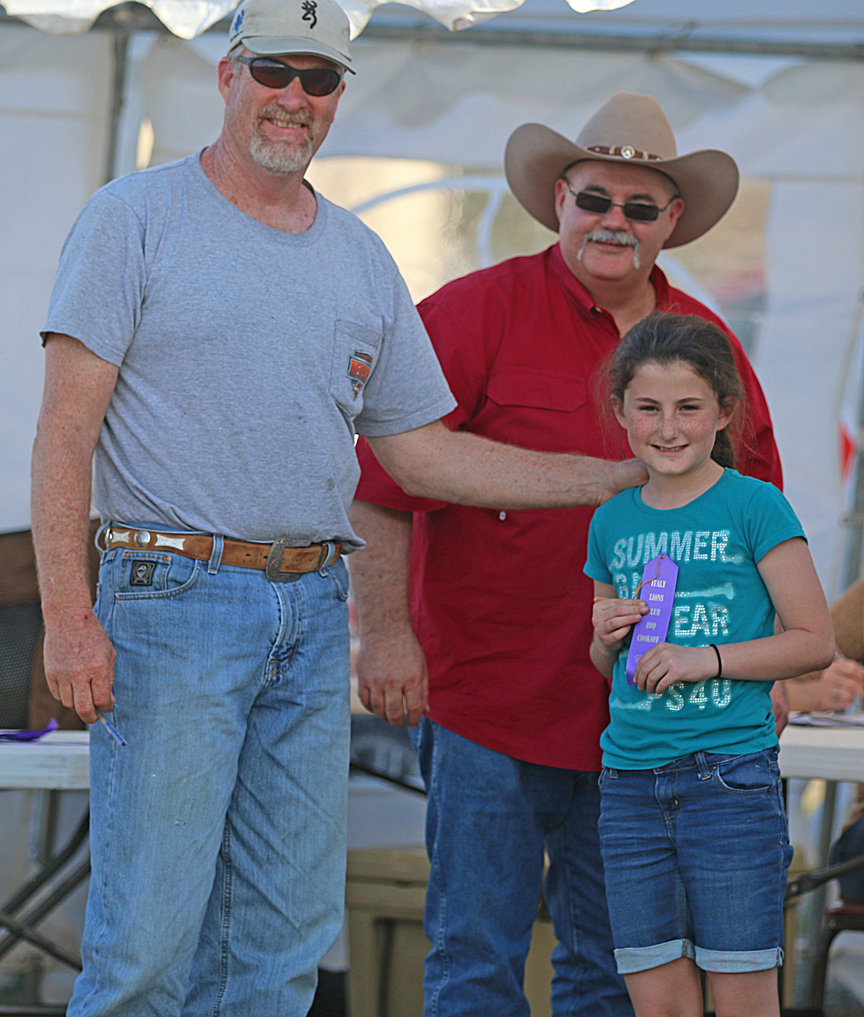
690	572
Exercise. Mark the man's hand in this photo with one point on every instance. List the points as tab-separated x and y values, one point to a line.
392	681
391	678
79	665
630	473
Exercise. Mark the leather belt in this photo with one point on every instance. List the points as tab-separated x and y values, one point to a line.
277	559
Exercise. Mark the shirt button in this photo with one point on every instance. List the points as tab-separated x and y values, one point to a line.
502	515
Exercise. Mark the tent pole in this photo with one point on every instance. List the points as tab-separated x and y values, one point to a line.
683	41
687	36
855	520
121	35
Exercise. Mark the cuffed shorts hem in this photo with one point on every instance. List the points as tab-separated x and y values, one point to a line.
736	962
631	960
642	958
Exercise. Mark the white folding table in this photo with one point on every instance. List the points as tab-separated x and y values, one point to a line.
58	761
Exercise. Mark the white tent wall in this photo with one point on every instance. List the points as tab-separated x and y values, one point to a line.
54	102
793	122
54	106
807	340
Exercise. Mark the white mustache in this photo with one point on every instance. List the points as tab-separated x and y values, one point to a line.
611	237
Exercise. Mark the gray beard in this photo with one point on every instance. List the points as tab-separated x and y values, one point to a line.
278	159
611	237
282	159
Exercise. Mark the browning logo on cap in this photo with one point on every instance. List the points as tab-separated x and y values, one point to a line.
309	8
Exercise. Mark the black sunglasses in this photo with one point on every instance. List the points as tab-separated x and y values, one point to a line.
316	81
636	211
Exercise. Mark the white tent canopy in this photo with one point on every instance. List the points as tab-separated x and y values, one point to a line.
783	95
189	18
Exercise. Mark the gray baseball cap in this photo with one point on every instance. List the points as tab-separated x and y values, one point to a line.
271	27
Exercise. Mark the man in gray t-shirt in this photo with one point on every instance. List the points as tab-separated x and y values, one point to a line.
217	336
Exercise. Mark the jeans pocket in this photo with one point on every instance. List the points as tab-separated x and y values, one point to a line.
750	774
338	572
148	575
607	774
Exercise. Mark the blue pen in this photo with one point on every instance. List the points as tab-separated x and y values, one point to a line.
109	727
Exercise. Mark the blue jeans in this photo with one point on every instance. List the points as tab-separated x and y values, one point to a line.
218	832
696	854
489	819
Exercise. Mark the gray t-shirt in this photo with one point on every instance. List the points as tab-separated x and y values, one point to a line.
248	357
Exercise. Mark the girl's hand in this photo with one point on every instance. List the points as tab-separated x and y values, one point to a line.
614	618
664	665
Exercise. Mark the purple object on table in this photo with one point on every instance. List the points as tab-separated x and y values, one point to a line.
28	736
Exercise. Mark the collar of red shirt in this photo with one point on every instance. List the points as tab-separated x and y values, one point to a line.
581	295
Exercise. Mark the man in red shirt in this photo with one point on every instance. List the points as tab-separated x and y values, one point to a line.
478	621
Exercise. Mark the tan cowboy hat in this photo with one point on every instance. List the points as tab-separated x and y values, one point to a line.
628	128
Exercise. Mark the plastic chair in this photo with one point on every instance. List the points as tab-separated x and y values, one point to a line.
841	917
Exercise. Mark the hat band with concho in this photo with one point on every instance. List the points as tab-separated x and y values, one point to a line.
631	129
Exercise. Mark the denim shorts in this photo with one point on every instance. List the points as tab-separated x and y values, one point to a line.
695	854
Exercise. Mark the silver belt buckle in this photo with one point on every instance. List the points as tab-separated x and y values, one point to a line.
274	561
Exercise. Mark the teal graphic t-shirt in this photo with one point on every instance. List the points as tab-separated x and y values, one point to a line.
716	541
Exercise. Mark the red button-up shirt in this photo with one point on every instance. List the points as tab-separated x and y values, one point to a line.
499	600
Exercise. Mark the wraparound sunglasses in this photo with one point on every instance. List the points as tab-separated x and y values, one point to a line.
317	81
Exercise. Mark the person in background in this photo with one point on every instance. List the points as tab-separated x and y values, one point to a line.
841	684
838	688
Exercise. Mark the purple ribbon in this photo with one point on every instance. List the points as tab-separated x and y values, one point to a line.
657	589
28	736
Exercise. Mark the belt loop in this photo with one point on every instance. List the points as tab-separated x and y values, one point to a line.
703	767
216	555
97	539
327	549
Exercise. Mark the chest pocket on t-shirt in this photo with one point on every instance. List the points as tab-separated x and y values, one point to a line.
538	409
355	353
